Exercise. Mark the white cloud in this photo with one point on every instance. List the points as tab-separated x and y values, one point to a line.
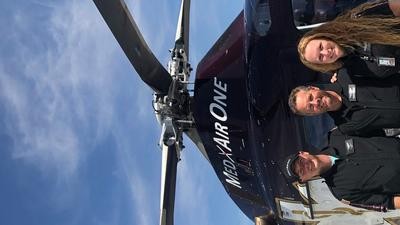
58	86
192	193
44	3
141	189
60	89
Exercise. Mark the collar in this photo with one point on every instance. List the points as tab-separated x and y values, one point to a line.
333	160
332	153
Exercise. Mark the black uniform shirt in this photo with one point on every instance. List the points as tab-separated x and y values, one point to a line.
372	106
364	60
367	171
364	63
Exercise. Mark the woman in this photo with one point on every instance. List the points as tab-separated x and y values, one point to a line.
365	40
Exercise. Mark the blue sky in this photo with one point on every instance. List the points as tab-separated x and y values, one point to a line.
77	133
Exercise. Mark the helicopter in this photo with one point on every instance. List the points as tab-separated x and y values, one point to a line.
238	116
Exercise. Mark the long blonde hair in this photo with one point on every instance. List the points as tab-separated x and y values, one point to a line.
353	29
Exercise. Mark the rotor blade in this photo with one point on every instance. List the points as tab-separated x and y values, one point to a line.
125	30
168	183
182	30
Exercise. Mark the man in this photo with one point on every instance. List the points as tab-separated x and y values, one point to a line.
358	106
358	170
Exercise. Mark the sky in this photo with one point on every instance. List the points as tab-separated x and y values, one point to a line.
78	137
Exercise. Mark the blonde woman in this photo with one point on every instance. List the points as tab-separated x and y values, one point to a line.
365	41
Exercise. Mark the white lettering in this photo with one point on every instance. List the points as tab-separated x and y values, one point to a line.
222	117
221	139
220	85
220	128
218	98
230	167
221	135
222	152
232	180
223	143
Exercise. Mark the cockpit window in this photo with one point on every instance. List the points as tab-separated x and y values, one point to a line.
309	12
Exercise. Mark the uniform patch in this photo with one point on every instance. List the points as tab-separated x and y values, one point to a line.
352	92
386	61
349	146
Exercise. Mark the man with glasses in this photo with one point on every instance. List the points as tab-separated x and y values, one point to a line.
363	171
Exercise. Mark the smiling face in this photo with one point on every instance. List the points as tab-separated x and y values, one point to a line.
306	166
315	101
321	51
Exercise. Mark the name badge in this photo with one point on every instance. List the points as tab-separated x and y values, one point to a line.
386	61
352	92
349	146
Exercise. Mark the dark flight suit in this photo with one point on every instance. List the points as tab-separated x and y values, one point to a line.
365	63
367	171
368	106
374	60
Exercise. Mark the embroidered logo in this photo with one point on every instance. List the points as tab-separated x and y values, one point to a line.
349	146
352	92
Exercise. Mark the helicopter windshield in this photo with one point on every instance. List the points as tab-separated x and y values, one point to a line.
309	12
